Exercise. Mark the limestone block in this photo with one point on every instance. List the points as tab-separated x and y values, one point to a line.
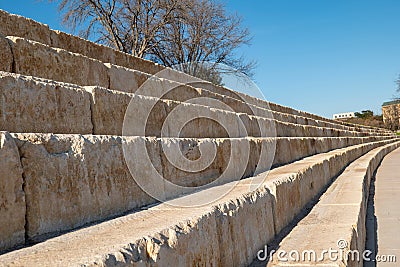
31	105
300	148
284	117
318	131
136	63
68	42
12	198
108	110
266	127
179	171
287	202
301	120
14	25
125	80
71	180
390	116
129	80
36	59
145	115
237	105
219	90
184	93
6	56
102	53
283	152
213	123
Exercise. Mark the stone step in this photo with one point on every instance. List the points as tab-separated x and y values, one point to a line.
28	104
29	58
13	25
67	181
189	90
337	222
115	111
31	104
229	231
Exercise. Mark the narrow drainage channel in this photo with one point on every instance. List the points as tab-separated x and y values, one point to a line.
371	243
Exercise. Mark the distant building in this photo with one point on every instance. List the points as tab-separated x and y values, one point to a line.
344	115
391	112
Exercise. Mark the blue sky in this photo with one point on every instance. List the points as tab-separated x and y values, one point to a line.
321	56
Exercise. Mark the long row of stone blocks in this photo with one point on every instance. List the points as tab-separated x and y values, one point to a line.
32	58
31	104
228	232
71	180
13	25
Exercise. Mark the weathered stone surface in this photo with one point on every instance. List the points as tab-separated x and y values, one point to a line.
87	179
292	194
12	198
215	241
80	46
71	180
109	108
15	25
135	63
339	216
186	92
35	59
125	80
6	56
40	106
147	116
100	52
216	227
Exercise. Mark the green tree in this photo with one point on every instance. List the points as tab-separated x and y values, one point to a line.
365	114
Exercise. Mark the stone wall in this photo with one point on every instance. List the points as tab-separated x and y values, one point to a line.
391	115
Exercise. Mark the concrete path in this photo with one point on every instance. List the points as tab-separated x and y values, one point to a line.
383	226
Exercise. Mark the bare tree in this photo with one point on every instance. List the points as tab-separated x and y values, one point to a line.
170	32
398	84
202	32
130	26
98	17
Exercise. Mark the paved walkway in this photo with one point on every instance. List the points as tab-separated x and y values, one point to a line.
383	227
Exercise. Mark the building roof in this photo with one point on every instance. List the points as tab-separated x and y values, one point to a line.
391	102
